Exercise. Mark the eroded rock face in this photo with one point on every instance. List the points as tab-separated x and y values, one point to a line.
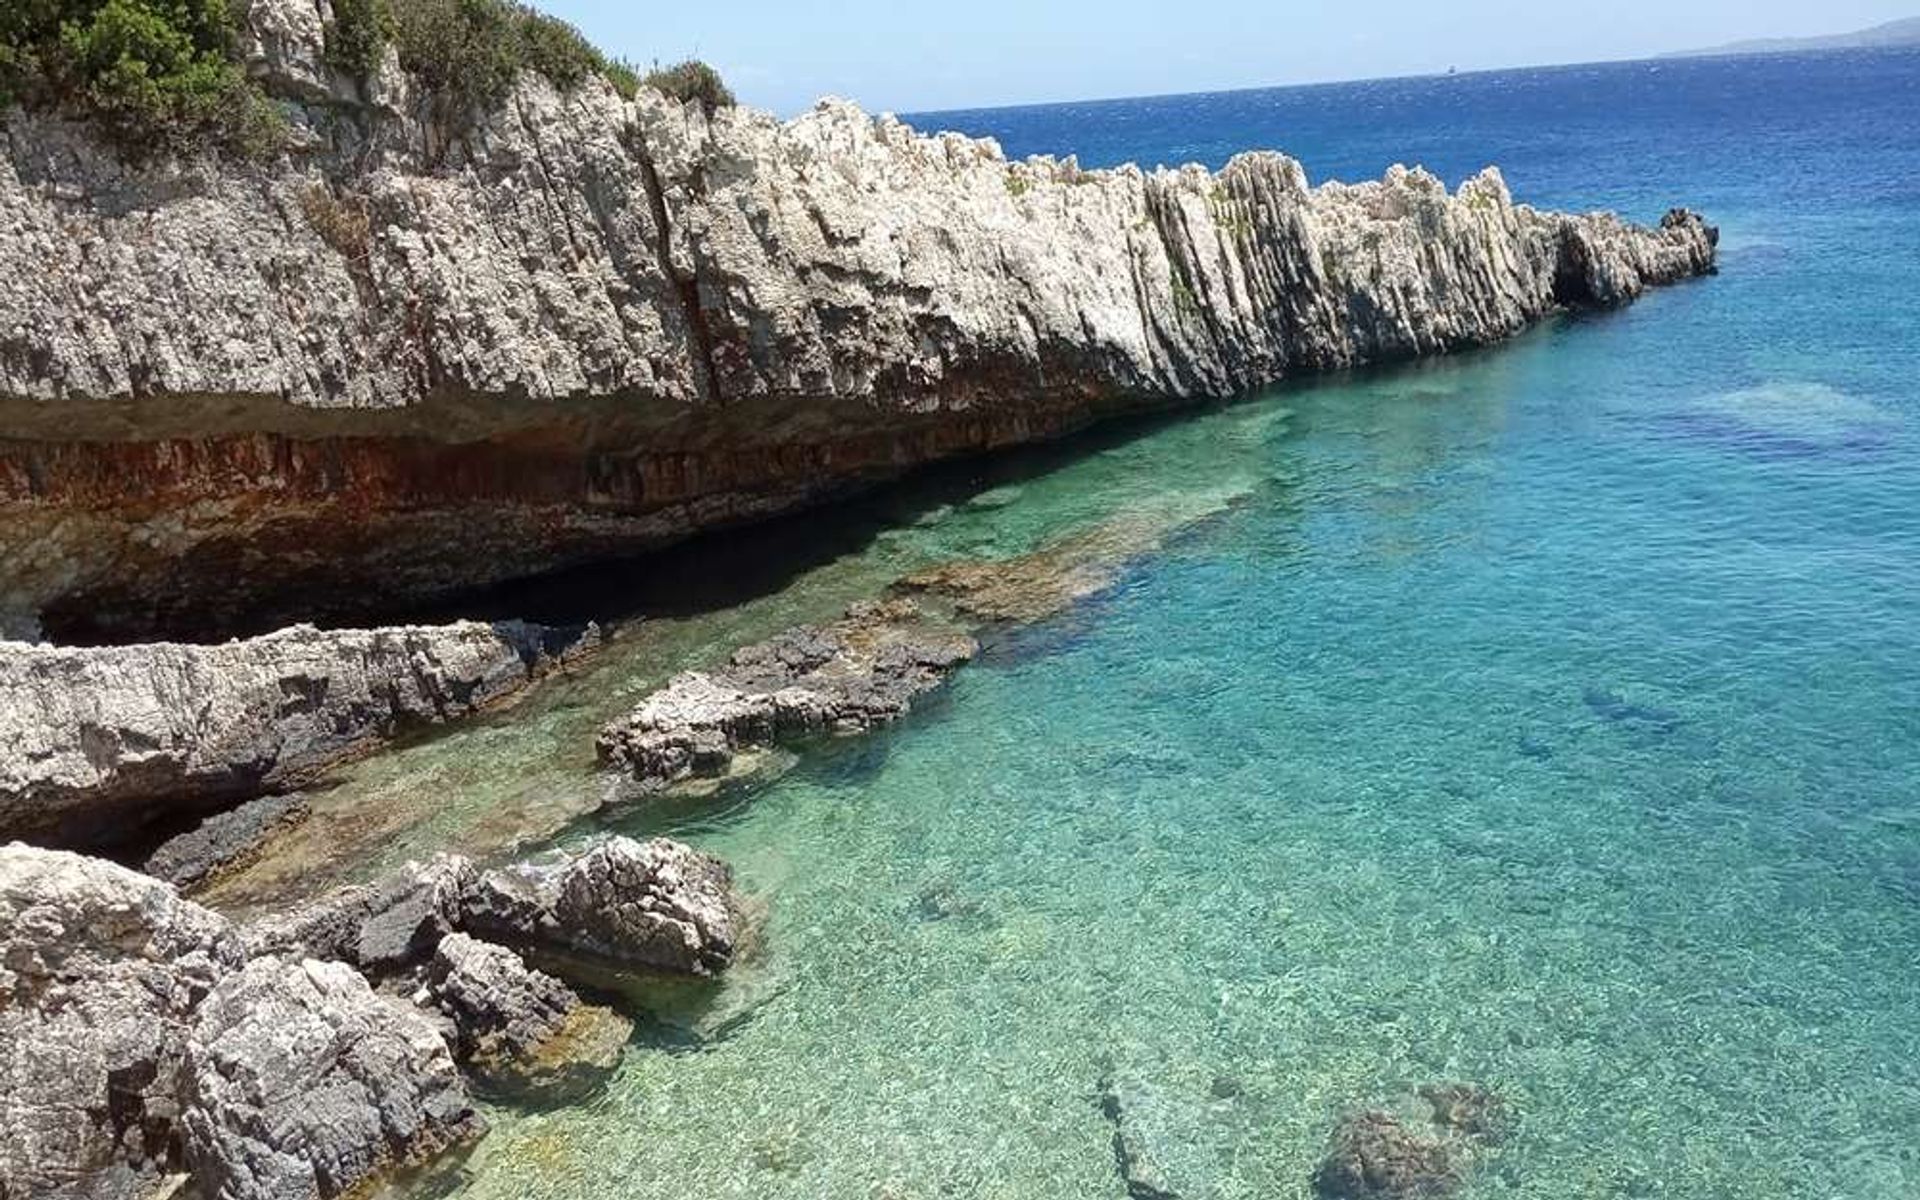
379	927
521	1031
654	905
421	357
101	973
844	678
304	1082
97	742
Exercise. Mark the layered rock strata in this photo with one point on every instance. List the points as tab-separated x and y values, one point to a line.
98	743
417	354
844	678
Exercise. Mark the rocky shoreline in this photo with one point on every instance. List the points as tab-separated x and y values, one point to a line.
148	1039
421	353
102	744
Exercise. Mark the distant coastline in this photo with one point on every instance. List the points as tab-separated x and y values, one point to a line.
1893	33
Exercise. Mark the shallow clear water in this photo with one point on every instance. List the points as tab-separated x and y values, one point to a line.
1548	717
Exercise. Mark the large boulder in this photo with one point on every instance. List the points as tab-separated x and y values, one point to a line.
379	927
652	905
845	678
303	1083
518	1030
101	971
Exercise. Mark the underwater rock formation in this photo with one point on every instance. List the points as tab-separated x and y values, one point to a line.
417	354
98	743
848	677
222	841
1390	1154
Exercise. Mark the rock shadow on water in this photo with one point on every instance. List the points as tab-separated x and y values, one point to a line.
1630	714
1786	421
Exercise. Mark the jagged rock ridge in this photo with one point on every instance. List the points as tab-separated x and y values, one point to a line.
434	355
98	743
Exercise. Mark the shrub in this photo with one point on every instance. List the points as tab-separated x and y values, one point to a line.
468	52
342	222
164	73
692	80
358	35
156	73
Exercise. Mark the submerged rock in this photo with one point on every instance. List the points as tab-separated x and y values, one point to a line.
223	841
654	905
844	678
1467	1109
101	971
1376	1156
1382	1154
1032	587
96	743
303	1082
379	927
519	1030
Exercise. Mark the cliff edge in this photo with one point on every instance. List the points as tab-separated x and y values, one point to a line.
422	350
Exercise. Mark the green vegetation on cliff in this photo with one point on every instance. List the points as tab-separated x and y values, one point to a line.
166	74
153	72
468	52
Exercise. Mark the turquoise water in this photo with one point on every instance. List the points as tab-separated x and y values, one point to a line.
1547	717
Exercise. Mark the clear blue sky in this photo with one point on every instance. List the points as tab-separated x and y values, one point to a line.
913	56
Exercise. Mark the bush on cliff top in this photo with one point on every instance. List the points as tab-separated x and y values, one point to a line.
468	52
692	80
154	73
165	74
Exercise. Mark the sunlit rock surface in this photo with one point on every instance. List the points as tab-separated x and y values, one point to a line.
420	357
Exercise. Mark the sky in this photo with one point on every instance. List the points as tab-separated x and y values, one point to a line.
924	57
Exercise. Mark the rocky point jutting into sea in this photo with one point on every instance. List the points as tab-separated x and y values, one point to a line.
421	352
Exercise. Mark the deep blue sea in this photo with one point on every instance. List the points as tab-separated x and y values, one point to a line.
1547	717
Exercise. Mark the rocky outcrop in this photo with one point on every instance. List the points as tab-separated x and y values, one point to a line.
97	743
101	973
518	1030
654	905
302	1082
848	677
223	841
416	356
143	1036
380	927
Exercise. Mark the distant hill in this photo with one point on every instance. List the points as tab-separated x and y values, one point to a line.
1893	33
